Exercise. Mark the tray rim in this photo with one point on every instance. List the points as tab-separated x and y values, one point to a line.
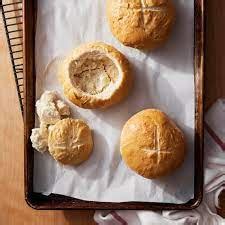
59	202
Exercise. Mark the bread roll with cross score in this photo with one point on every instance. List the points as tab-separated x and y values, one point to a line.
151	144
70	141
144	24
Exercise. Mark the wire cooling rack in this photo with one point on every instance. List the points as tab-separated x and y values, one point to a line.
12	19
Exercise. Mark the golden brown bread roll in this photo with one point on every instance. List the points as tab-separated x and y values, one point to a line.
70	141
151	144
144	24
95	75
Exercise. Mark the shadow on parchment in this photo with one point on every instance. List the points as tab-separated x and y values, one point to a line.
181	182
95	167
179	48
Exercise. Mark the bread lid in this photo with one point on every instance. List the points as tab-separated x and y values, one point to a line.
70	141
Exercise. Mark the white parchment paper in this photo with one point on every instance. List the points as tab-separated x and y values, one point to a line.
163	79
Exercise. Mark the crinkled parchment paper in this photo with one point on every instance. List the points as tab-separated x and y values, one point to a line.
163	79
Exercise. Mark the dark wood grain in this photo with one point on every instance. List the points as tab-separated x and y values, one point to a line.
29	10
221	205
215	62
39	201
215	51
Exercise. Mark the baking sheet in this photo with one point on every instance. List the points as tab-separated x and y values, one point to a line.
164	79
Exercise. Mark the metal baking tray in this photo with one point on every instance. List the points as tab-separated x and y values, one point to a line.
53	201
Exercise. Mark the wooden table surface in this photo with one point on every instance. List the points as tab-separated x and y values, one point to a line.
13	209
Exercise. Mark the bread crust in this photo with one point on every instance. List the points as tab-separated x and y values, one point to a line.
70	141
86	100
151	144
143	24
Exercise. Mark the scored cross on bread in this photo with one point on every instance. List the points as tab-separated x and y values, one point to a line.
70	141
144	24
157	149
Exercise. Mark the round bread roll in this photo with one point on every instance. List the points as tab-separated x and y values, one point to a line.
151	144
144	24
95	75
70	141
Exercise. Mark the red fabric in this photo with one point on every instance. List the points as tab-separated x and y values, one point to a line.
215	137
118	218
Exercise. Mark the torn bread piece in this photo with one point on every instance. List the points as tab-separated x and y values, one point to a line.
50	108
62	108
39	138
